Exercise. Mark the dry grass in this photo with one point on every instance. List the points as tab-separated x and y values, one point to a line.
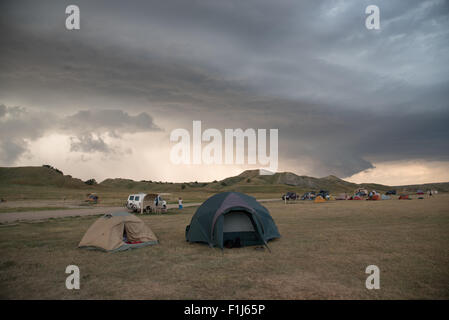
322	254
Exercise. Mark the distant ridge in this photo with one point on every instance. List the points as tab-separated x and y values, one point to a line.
39	176
247	181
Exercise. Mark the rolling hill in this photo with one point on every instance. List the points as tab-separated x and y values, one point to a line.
249	181
38	176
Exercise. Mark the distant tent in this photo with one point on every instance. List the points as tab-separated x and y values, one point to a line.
356	198
319	199
385	197
117	232
232	219
419	192
375	197
404	197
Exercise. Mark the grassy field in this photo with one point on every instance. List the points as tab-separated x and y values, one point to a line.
53	196
322	254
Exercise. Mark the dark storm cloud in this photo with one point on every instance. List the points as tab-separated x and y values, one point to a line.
104	122
113	122
19	126
341	95
2	110
88	143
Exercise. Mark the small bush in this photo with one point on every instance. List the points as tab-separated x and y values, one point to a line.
90	182
52	168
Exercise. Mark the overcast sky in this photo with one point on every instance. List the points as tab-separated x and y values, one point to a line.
366	105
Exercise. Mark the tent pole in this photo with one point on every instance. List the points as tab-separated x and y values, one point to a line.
266	245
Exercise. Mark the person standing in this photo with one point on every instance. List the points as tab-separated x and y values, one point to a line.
180	203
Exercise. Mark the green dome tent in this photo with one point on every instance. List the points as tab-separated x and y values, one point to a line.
232	219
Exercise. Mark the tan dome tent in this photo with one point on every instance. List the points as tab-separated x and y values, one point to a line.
117	232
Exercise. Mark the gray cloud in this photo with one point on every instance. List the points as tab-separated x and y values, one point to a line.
10	150
19	126
341	96
2	110
88	143
113	122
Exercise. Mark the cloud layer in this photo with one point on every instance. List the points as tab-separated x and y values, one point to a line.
343	97
19	127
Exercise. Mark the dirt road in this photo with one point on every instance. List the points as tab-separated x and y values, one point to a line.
9	217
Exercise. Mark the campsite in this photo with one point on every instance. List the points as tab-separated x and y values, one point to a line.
322	251
223	154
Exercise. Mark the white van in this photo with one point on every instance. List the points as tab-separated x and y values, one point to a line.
135	201
139	202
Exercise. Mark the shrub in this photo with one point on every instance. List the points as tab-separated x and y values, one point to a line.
52	168
90	182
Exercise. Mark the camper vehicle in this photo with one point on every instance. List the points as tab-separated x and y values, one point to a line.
143	202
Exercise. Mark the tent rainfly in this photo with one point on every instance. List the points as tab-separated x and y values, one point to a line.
232	219
117	232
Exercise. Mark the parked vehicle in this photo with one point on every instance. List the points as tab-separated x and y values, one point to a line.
142	202
92	198
361	192
311	195
290	196
323	193
389	192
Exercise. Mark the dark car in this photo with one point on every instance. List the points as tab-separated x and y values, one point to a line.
390	192
309	195
290	196
323	193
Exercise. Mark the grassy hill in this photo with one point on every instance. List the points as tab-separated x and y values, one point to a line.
251	179
38	176
48	183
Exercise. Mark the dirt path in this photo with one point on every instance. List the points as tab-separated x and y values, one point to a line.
9	217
